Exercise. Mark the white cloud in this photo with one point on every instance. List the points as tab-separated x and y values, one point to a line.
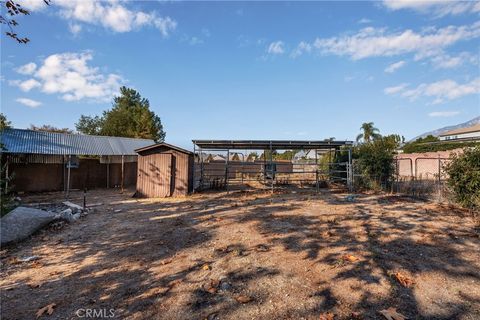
70	76
438	8
26	85
193	41
29	102
28	68
440	91
276	47
112	15
33	5
443	113
395	89
364	21
372	42
74	28
445	61
303	47
395	66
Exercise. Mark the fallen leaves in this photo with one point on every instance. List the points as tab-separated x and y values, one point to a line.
392	314
206	267
47	309
211	286
243	299
403	279
349	258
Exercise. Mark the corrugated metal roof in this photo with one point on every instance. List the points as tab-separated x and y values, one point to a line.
41	142
266	144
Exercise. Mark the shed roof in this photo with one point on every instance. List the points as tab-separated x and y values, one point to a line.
266	144
41	142
474	128
162	144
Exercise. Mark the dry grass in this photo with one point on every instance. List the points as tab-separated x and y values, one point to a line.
248	255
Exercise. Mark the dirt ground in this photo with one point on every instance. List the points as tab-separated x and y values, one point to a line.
248	255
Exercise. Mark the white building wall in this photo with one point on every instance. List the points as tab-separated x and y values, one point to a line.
475	134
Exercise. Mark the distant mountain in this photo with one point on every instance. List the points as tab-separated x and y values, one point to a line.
437	132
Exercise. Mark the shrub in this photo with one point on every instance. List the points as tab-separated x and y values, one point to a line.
375	160
6	198
464	177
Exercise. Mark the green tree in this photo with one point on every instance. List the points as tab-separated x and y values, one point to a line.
431	143
49	128
6	200
4	123
130	116
252	156
464	177
369	132
89	125
375	161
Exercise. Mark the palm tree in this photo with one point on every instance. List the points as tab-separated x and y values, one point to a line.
369	132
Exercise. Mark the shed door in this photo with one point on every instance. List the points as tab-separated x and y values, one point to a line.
156	175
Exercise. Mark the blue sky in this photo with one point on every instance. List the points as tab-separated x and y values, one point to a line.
249	70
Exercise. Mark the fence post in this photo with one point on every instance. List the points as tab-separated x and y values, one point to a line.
349	170
439	180
226	169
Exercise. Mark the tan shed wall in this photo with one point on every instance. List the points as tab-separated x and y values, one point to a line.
155	166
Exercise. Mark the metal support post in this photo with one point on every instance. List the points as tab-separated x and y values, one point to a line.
201	167
193	174
63	171
123	173
108	172
226	169
264	168
68	175
316	170
349	170
271	167
439	180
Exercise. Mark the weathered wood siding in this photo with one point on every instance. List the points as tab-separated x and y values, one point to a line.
164	172
91	174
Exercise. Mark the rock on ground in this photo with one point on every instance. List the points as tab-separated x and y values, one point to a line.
22	222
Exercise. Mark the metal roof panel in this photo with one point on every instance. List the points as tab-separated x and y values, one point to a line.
41	142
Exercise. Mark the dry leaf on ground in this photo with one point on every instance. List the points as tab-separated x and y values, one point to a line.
206	267
48	309
212	286
403	280
392	314
327	316
349	257
243	299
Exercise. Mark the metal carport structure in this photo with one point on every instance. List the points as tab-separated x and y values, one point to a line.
269	166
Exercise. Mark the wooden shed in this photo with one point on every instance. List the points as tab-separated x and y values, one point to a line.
164	170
